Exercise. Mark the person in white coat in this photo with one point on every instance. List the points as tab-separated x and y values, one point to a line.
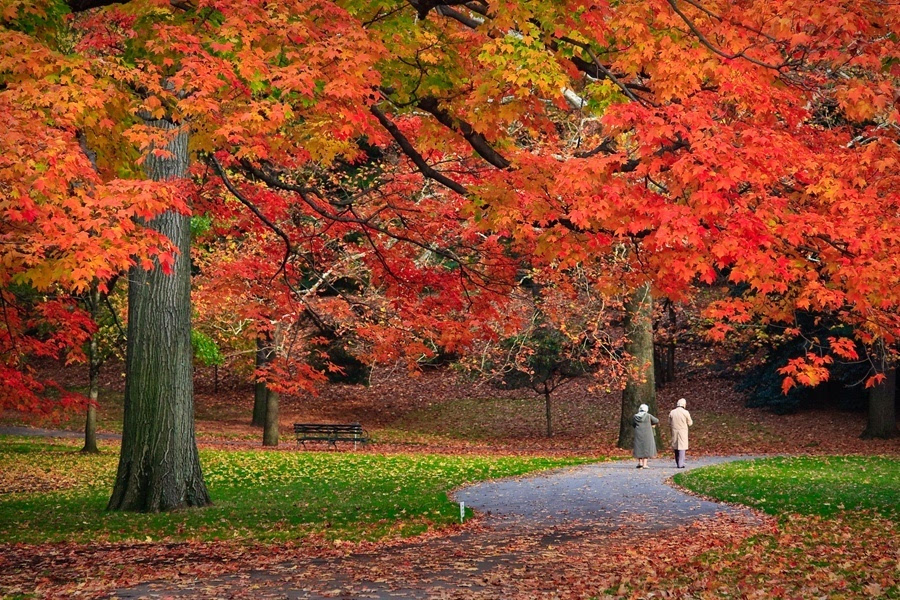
679	421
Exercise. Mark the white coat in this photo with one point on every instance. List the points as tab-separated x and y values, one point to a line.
679	421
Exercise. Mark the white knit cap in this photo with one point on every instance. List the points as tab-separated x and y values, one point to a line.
682	403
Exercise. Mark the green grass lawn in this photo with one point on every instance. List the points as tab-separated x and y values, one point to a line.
805	485
836	535
54	493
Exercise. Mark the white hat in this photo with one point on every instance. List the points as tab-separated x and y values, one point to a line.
682	403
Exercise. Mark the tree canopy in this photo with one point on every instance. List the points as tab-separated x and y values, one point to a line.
426	153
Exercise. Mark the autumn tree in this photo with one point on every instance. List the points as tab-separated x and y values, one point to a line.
688	134
104	343
662	144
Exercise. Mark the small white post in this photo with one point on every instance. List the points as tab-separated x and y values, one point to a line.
462	512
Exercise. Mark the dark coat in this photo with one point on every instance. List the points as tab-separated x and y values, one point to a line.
644	442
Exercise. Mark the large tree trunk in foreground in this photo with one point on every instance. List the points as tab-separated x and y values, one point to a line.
264	353
640	387
159	467
882	421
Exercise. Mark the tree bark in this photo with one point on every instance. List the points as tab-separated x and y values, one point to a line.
90	421
159	466
640	387
270	431
882	422
547	410
264	353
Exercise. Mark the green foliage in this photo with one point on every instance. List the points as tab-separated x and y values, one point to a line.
549	359
206	350
257	495
44	19
820	486
200	224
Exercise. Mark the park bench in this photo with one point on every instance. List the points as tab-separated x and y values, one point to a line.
331	433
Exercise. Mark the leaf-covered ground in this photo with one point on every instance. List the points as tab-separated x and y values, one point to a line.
439	411
834	554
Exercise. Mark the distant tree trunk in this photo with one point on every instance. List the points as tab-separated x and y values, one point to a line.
640	388
882	422
264	353
159	467
670	362
547	410
270	431
664	353
90	422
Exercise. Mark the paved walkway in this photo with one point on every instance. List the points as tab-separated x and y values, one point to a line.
524	517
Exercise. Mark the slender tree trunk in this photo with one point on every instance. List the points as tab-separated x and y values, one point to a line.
670	362
270	431
159	467
670	359
640	388
547	410
90	421
260	391
882	422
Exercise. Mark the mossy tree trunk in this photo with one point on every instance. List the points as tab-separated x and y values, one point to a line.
882	421
159	467
640	387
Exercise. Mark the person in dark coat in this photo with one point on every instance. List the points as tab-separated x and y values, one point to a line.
644	442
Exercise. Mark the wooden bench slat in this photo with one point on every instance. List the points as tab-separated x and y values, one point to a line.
330	432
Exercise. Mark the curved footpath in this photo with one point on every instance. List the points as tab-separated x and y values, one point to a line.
602	496
526	518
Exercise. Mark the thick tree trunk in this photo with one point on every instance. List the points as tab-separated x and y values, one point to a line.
159	467
264	355
640	387
90	421
270	431
882	421
547	410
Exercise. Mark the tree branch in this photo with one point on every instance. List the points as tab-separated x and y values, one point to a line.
237	194
476	140
702	38
413	154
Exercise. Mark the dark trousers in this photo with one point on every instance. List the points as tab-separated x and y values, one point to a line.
679	458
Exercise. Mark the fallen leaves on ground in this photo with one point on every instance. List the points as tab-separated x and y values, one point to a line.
850	556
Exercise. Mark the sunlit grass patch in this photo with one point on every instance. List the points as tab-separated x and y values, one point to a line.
713	430
502	418
806	485
257	495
